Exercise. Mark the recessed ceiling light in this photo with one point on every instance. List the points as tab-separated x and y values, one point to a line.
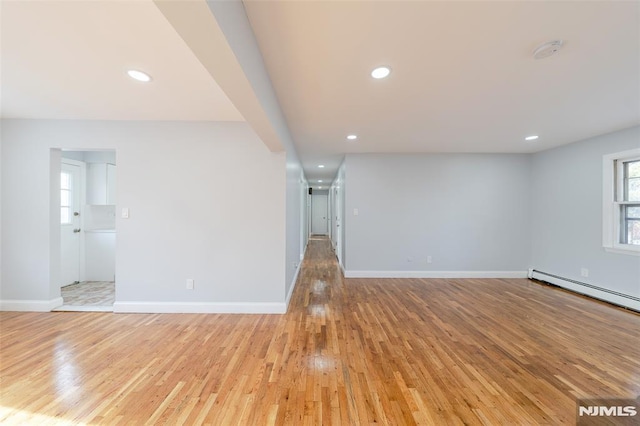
321	166
352	137
320	181
531	138
139	75
381	72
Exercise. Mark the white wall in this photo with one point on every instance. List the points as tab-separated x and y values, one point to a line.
295	222
100	259
232	20
567	214
193	214
469	212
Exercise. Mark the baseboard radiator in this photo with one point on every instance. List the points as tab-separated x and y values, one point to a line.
594	291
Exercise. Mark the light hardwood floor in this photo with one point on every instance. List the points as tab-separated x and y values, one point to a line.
349	352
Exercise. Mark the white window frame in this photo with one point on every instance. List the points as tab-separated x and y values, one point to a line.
612	196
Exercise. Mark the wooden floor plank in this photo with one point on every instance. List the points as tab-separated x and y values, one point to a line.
349	351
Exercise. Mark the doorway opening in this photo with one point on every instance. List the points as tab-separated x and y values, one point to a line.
87	230
319	212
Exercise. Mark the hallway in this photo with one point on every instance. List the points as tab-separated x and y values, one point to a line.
348	352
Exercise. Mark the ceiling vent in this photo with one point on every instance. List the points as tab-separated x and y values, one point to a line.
547	49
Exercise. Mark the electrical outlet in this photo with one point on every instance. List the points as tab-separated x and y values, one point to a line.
190	284
584	272
429	259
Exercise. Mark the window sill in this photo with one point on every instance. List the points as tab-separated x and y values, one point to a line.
627	251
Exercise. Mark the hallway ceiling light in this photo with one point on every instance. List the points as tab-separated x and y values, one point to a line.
380	72
531	138
321	166
547	49
139	75
320	181
352	137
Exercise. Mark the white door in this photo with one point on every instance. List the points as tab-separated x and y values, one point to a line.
70	191
337	213
330	215
319	214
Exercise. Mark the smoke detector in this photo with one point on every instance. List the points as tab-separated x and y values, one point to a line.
547	49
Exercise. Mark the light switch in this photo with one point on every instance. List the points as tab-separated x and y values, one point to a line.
355	212
125	213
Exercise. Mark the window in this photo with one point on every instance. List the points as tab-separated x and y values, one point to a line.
65	199
629	196
621	202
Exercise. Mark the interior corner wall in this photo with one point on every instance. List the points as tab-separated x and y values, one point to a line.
567	214
468	212
192	213
232	19
295	221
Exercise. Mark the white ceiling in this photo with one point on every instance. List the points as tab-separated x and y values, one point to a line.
463	77
68	60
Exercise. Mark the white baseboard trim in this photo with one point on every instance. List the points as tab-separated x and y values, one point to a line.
30	305
199	308
293	285
86	308
435	274
617	299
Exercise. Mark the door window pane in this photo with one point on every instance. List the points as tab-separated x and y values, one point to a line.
66	204
65	215
64	198
65	180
